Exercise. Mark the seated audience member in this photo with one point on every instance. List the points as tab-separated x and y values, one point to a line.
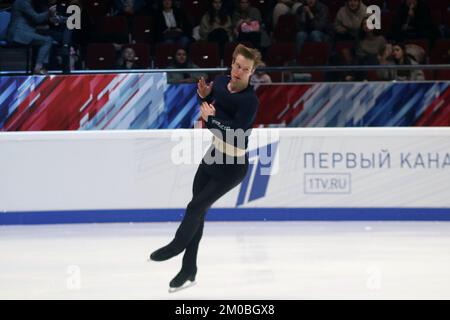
348	20
215	25
22	30
385	58
127	59
312	20
284	7
413	20
181	61
172	26
62	36
369	43
75	60
260	77
401	57
247	24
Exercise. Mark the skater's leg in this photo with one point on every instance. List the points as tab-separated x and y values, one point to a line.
201	179
195	214
190	255
189	268
197	209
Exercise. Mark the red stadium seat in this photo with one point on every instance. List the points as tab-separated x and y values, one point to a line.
439	54
286	29
278	55
142	29
314	54
113	29
439	5
437	17
100	56
340	45
205	54
387	19
447	18
443	74
164	54
194	10
142	51
394	5
97	8
333	7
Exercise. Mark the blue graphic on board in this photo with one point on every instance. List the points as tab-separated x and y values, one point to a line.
255	184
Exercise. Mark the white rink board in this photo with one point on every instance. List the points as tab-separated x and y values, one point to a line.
310	168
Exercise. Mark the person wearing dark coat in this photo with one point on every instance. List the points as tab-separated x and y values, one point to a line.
22	30
413	21
172	26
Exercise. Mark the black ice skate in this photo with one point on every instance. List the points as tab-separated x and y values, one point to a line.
164	253
183	280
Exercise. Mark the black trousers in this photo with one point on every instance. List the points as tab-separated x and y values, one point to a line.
211	182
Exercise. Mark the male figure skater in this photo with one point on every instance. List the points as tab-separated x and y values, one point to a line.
228	107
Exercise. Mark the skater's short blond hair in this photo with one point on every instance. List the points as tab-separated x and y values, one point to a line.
248	53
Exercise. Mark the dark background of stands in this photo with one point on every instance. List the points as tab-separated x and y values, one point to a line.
106	32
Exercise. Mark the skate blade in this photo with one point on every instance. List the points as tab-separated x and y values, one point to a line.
185	286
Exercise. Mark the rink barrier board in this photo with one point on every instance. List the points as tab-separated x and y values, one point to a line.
228	214
117	176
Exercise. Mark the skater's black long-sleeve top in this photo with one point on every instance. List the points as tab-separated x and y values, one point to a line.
233	110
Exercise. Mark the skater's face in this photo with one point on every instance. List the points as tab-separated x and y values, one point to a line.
241	70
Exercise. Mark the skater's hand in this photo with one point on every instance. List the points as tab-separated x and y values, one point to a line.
207	110
204	89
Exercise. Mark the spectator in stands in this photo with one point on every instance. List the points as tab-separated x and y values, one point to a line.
348	20
368	45
127	59
400	57
182	61
348	58
284	7
446	57
172	26
215	25
75	60
247	24
128	7
385	59
62	36
414	20
22	30
260	77
312	20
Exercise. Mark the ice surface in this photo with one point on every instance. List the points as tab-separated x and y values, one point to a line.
237	260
